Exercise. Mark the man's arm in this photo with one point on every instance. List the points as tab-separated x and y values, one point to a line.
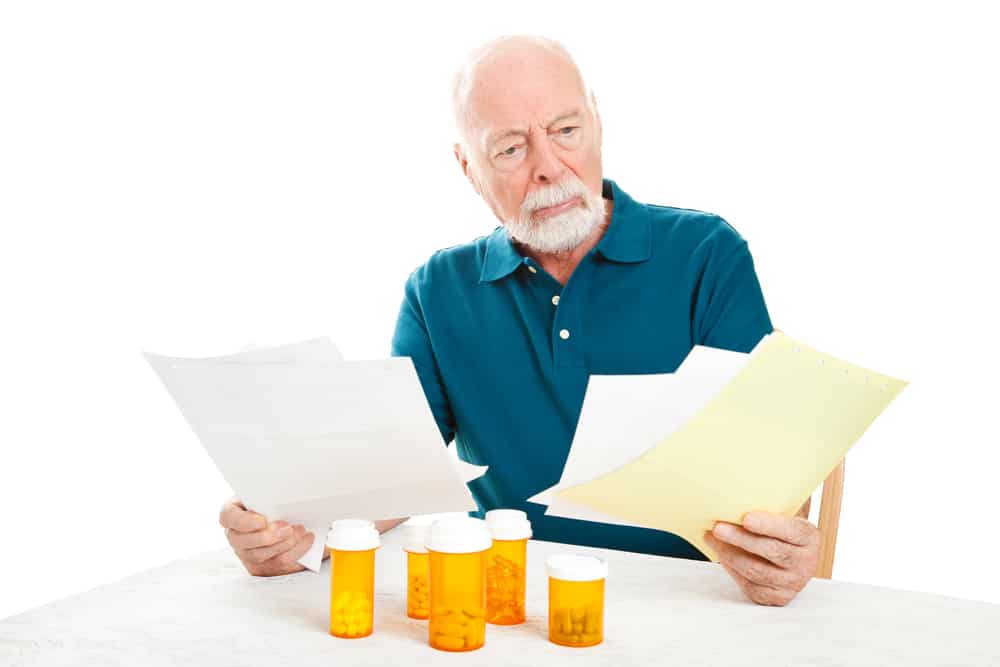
412	339
729	308
388	524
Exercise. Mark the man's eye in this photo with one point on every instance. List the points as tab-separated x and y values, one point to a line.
568	131
508	153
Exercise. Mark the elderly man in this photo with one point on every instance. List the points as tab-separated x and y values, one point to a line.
580	279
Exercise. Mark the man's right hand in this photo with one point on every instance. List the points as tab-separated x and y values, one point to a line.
266	549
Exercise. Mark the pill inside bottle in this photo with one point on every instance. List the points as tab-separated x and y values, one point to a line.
457	548
506	565
352	544
576	599
418	593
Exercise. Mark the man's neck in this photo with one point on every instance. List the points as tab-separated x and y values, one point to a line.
561	265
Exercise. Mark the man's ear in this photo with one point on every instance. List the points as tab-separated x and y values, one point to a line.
463	162
598	127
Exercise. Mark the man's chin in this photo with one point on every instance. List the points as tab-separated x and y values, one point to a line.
536	239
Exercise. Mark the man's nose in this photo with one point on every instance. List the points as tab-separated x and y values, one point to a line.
547	168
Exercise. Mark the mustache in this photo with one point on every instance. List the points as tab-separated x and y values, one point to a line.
554	194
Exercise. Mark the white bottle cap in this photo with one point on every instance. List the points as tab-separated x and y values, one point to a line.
415	537
508	524
574	567
353	535
459	535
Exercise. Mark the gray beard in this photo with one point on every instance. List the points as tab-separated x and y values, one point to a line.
560	233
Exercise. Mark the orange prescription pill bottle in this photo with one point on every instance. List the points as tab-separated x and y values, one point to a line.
576	599
505	566
352	545
418	593
457	548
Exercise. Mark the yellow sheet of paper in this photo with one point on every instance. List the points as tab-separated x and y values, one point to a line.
765	442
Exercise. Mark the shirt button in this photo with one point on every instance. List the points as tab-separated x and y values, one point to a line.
532	269
555	300
564	334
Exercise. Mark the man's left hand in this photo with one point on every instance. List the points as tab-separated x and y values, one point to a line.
771	557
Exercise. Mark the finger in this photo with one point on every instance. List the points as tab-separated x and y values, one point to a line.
232	502
743	582
780	553
263	554
235	517
287	562
299	531
791	529
754	569
772	597
763	595
270	536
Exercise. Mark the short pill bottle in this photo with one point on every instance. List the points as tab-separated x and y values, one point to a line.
457	548
352	544
506	562
576	599
418	593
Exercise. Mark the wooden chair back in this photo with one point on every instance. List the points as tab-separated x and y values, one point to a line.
829	520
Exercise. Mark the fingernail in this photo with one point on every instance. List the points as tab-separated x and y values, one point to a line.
723	530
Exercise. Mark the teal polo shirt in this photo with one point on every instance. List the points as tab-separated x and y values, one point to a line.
503	350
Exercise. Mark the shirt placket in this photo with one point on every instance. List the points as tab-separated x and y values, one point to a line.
566	336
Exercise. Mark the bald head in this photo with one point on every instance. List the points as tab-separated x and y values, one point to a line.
508	71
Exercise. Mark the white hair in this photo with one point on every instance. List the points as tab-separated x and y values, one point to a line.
465	75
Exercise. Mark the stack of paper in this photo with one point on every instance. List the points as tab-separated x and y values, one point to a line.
303	436
726	434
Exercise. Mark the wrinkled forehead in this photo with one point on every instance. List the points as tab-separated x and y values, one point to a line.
515	90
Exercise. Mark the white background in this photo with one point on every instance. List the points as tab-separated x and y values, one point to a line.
193	176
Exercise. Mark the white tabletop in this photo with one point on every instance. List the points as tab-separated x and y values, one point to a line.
208	611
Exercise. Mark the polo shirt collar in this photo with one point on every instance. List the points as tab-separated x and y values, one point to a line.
501	256
628	238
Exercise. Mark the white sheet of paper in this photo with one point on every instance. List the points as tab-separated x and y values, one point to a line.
307	439
624	415
320	349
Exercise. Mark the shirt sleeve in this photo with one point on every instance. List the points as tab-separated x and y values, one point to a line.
411	339
730	312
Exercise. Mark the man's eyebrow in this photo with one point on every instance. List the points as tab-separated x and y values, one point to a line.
520	132
575	113
496	137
